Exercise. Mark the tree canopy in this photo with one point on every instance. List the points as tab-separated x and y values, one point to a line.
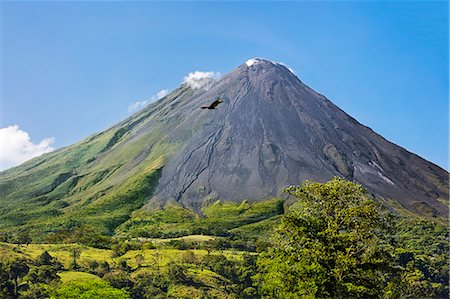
329	244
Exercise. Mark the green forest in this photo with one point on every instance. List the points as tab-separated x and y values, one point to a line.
323	240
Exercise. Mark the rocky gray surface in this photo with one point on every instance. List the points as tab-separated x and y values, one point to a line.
273	131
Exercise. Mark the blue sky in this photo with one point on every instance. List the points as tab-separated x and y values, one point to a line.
70	69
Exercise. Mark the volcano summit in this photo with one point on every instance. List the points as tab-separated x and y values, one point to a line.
274	131
270	131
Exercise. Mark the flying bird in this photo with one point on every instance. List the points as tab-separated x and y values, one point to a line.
213	105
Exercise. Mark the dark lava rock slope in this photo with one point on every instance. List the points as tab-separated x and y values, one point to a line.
273	131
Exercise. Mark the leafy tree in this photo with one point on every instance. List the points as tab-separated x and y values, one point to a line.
220	264
92	266
150	286
123	266
119	279
43	274
139	259
75	253
121	247
99	268
22	237
45	259
177	273
329	244
250	293
6	284
103	268
90	236
246	270
16	269
422	252
4	237
74	232
177	244
39	290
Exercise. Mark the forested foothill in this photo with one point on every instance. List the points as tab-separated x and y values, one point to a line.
327	240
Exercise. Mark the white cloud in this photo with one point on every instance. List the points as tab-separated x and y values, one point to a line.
199	79
141	104
160	94
135	106
195	80
286	66
16	147
255	61
252	61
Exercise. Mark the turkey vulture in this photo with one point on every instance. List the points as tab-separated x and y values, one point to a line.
213	105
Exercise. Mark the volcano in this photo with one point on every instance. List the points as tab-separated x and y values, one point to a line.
270	131
273	131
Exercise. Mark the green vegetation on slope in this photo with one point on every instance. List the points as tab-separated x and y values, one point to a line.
104	214
97	182
218	219
337	242
143	273
334	241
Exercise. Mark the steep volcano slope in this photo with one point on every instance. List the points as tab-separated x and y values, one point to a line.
100	180
271	131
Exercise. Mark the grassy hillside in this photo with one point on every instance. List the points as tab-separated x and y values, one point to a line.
194	274
217	219
153	258
167	253
98	181
204	266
